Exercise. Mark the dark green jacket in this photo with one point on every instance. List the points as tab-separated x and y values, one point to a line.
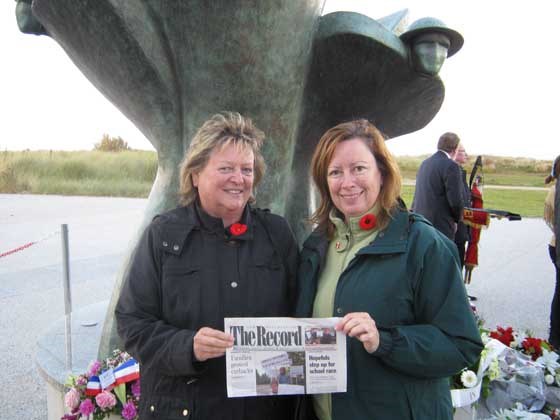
408	280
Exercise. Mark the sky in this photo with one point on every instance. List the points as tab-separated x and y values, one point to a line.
501	97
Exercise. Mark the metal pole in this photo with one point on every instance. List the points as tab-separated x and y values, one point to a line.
67	297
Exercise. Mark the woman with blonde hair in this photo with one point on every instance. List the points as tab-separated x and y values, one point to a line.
393	280
549	215
213	257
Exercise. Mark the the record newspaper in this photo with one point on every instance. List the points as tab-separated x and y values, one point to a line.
280	356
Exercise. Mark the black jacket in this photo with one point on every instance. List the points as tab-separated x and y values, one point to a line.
189	272
438	195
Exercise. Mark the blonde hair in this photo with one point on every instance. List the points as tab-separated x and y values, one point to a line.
219	131
388	198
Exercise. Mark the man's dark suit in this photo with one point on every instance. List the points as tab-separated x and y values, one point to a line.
439	193
463	233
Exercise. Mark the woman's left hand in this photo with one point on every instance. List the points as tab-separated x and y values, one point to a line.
361	326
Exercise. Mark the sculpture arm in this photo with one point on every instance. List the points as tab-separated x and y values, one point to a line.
26	20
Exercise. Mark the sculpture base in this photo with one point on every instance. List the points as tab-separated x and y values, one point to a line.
87	324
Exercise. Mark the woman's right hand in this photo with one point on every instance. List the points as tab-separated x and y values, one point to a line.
210	343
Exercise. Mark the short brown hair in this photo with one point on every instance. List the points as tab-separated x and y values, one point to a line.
220	130
372	137
448	142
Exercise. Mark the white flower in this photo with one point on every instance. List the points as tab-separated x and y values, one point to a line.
469	379
549	360
494	372
549	379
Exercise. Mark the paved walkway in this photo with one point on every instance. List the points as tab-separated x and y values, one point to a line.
514	282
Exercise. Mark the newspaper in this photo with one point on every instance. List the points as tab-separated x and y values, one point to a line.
282	356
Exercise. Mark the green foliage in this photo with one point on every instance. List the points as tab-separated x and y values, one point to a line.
125	174
497	170
527	203
131	173
111	144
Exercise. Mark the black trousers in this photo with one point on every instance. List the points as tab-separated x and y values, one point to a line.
554	337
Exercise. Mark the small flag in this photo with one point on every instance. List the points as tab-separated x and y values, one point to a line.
127	372
93	386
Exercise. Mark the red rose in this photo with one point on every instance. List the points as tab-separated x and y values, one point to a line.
505	335
368	222
533	347
238	229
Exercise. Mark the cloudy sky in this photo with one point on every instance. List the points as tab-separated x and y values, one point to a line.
501	88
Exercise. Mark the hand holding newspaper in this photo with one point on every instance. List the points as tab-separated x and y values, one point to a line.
281	356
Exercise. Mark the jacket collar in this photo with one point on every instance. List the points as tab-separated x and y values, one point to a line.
445	153
391	240
216	225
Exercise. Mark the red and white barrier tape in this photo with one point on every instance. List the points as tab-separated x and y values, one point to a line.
27	245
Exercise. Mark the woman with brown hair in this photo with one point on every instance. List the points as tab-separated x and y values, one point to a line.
391	277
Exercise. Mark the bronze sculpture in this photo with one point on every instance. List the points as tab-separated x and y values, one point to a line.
169	65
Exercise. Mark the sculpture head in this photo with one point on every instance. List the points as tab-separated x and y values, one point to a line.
431	42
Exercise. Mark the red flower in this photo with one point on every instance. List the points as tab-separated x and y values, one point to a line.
238	229
533	347
505	335
368	222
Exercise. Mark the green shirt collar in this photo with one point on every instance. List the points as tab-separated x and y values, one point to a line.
352	227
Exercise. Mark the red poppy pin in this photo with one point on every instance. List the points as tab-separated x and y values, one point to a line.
238	229
368	222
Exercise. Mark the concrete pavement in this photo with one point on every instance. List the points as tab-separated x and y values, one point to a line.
514	281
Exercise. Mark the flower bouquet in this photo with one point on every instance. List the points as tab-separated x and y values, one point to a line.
108	387
469	384
522	365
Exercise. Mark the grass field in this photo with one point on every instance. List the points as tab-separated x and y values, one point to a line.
131	174
122	174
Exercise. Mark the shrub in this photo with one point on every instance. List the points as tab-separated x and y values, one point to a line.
111	144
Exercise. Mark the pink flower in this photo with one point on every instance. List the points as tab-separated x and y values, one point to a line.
135	388
93	368
86	407
81	380
129	411
72	399
105	400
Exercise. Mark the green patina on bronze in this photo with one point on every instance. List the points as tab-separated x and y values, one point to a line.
169	65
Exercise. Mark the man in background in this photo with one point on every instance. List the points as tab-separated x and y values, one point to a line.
463	231
439	195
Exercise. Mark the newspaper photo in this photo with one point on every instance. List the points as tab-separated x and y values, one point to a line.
282	356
